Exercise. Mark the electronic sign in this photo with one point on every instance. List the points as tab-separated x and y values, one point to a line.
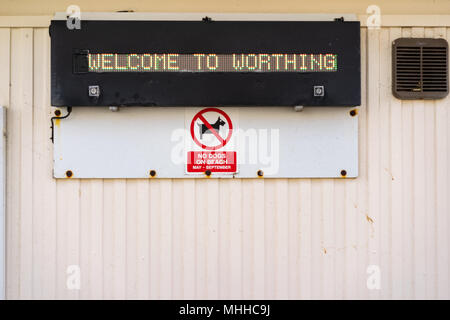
206	63
200	62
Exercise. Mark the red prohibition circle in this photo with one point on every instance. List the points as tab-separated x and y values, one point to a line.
200	115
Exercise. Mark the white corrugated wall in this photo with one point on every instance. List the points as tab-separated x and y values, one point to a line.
232	238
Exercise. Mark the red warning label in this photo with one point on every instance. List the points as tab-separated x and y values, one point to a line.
214	161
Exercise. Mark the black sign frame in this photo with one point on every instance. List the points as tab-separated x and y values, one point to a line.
70	82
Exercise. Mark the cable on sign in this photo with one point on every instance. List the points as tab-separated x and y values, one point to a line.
69	111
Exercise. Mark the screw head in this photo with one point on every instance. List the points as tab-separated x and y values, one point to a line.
319	91
94	91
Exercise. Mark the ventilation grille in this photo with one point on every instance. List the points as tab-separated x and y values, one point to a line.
420	68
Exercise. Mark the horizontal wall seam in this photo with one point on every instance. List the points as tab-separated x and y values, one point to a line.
386	21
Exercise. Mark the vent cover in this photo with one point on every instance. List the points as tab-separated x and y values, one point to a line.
420	68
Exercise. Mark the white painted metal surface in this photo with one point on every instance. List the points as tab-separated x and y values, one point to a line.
318	142
232	238
2	203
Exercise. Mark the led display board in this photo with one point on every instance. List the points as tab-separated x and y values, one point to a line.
200	62
196	63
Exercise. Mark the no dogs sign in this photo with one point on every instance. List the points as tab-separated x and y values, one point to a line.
211	149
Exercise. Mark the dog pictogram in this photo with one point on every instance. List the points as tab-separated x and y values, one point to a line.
200	125
203	128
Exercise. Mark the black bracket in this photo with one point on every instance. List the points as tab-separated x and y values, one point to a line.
69	111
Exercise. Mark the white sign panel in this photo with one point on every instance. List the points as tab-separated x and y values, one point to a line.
228	142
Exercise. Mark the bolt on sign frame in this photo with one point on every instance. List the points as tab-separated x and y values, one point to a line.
200	63
188	64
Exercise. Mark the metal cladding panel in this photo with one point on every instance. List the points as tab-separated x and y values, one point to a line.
232	238
2	203
71	87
